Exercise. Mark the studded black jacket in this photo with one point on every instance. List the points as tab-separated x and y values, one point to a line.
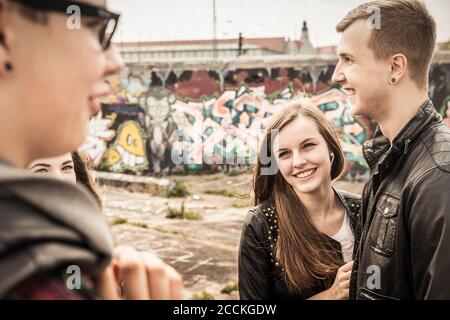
260	276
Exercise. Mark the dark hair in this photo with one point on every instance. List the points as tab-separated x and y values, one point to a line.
34	15
83	175
305	253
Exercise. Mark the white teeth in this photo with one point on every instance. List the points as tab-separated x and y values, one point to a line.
305	173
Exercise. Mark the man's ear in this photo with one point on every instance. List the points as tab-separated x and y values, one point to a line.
399	64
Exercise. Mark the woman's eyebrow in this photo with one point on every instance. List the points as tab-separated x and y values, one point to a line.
302	142
306	140
67	162
41	165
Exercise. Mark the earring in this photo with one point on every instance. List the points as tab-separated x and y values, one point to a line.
331	156
393	80
8	66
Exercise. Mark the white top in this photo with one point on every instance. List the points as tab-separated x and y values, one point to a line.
346	238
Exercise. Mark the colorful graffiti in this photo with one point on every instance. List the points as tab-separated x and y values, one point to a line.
440	89
220	114
224	129
117	139
334	103
160	126
98	137
128	150
131	84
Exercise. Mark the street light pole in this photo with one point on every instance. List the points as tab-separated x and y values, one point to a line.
214	30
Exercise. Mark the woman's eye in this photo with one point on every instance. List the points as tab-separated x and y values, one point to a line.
40	171
283	154
67	168
308	145
348	60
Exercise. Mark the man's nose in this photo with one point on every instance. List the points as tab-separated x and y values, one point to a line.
338	76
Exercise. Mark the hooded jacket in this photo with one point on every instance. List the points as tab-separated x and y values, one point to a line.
46	225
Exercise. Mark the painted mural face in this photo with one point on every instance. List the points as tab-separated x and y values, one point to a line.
128	151
159	110
61	167
302	156
363	77
64	77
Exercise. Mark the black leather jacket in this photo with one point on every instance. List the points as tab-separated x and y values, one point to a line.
260	276
404	226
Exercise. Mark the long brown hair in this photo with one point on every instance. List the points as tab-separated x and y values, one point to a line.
83	175
306	254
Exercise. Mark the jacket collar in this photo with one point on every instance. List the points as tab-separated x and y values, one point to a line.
379	149
47	224
351	204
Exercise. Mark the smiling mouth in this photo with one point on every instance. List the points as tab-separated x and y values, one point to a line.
129	158
95	105
305	174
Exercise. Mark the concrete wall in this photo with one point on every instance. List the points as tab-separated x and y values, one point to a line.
221	108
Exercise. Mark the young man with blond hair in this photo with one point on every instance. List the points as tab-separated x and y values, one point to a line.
403	238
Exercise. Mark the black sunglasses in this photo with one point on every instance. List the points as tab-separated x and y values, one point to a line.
110	19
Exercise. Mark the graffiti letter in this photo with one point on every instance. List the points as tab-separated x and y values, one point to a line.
180	156
374	21
211	155
74	281
374	280
74	20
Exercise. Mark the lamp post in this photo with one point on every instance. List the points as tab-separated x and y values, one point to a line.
214	30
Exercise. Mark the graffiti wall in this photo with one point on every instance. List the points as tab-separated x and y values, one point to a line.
159	122
440	89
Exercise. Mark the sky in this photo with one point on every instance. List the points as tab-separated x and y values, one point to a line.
152	20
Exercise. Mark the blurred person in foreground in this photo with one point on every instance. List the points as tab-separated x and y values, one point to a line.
49	225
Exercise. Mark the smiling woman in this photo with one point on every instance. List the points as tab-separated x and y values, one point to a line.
299	237
58	167
70	167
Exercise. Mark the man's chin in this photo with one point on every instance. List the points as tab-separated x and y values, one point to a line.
357	110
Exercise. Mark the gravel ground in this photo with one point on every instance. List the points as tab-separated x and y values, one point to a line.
205	250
